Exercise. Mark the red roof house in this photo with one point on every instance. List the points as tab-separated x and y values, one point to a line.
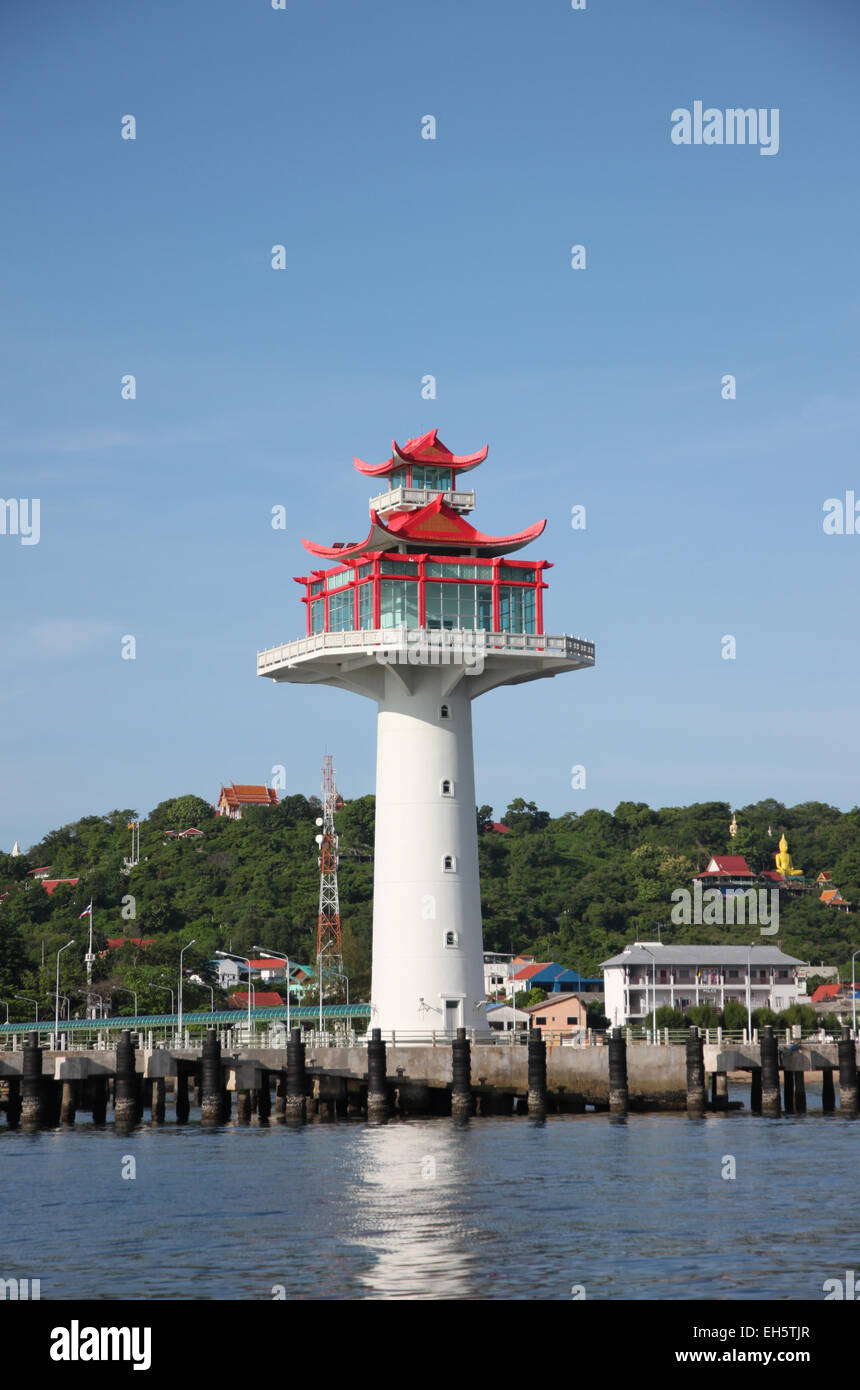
49	884
261	1000
723	866
233	798
825	992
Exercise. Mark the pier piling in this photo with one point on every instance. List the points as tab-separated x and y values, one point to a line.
695	1072
68	1104
125	1104
296	1105
828	1093
788	1092
182	1102
156	1102
770	1104
847	1073
462	1105
13	1104
537	1073
99	1090
720	1090
212	1084
32	1110
799	1093
243	1107
377	1086
618	1095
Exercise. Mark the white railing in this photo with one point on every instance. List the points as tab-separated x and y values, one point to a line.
407	497
459	638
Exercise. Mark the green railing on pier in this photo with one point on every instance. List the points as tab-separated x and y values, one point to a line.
224	1018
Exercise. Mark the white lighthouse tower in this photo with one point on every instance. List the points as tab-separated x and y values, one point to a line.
423	616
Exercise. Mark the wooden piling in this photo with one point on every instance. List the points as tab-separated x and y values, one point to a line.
618	1094
296	1104
462	1105
212	1081
377	1085
847	1073
695	1072
770	1104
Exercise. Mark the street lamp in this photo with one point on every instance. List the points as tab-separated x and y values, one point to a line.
181	954
853	998
653	992
123	989
57	997
230	955
168	990
27	1000
281	955
749	992
6	1002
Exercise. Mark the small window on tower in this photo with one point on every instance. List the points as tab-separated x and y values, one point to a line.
449	864
444	712
447	787
451	938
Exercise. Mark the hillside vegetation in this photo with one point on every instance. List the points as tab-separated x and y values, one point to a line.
574	888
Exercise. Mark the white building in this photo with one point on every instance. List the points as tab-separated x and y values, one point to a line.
498	969
681	976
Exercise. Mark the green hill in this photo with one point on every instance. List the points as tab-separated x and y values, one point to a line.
574	889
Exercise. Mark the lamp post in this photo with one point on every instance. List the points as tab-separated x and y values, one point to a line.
653	992
6	1002
181	954
853	997
749	991
57	997
281	955
122	989
167	990
27	1000
230	955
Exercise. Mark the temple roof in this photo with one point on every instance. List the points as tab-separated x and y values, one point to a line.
424	449
436	525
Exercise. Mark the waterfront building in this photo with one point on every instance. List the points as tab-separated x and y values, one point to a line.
498	969
552	978
503	1018
423	616
563	1014
681	976
233	799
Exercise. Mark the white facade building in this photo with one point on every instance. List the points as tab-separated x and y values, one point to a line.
680	976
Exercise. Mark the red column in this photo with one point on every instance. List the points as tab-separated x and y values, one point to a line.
539	588
377	598
496	616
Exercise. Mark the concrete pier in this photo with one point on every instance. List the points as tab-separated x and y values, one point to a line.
183	1106
720	1090
788	1079
157	1098
695	1057
296	1105
799	1093
13	1105
68	1104
243	1107
377	1084
462	1105
847	1073
537	1073
828	1094
618	1093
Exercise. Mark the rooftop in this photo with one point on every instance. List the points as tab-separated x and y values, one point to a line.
667	954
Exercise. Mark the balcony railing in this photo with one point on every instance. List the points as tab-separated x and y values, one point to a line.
406	498
470	639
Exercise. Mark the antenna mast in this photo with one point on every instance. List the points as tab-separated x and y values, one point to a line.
328	922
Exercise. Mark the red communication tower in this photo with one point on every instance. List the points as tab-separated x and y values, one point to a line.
328	922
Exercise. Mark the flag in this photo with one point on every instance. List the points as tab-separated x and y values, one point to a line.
131	825
87	910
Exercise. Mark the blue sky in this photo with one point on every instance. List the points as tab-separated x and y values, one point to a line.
407	257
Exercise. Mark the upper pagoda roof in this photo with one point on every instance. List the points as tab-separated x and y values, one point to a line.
424	449
436	525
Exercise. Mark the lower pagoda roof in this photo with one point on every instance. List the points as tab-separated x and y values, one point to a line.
437	525
424	449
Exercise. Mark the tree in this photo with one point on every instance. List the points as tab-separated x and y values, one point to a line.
524	816
180	813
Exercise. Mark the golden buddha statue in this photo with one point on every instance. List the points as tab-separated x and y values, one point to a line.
784	865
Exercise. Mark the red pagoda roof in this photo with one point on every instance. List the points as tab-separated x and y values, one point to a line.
437	524
426	448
